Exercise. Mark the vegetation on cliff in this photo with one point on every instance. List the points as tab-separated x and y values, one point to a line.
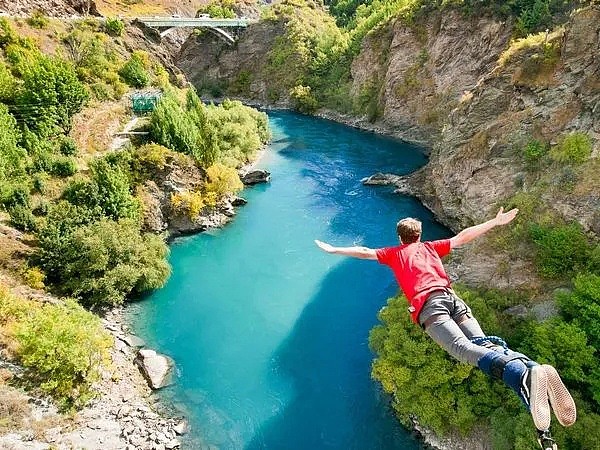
80	210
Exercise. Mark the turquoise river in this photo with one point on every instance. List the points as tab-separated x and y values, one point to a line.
269	334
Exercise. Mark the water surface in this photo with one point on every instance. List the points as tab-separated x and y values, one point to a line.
269	334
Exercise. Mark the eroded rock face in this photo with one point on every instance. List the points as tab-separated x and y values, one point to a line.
53	8
476	164
421	72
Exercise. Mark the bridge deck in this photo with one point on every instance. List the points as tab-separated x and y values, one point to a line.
192	22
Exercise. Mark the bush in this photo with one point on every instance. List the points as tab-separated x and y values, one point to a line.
188	203
68	147
8	84
107	261
22	218
134	71
114	26
575	148
63	166
533	152
107	193
51	83
304	101
64	346
12	157
38	20
223	180
560	250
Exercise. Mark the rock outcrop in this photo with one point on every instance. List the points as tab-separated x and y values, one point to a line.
256	177
155	368
476	164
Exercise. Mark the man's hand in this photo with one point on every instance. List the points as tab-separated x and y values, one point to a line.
324	246
503	218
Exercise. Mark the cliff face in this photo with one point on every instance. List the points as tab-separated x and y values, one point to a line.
209	62
477	164
421	71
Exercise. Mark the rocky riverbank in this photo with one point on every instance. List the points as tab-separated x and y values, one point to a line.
124	415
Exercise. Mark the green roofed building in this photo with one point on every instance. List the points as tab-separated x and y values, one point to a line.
143	102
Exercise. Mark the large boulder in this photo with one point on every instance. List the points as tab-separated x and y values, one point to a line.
155	368
255	177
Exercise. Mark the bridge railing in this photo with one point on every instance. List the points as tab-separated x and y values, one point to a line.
192	22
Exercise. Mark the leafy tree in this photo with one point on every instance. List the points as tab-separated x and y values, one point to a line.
223	180
114	26
134	71
8	84
12	157
52	89
107	261
560	250
64	346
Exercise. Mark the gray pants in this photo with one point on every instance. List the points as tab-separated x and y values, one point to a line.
451	325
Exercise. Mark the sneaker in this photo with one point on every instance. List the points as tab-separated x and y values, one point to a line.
561	401
546	441
534	391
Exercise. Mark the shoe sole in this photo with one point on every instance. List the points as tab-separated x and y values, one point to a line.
538	398
560	399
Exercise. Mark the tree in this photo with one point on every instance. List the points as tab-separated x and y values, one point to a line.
53	92
12	157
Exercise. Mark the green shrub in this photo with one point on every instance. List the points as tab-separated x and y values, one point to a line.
8	84
560	250
106	193
303	99
52	84
114	26
63	166
12	157
68	147
16	195
38	20
533	152
218	9
575	148
134	71
64	347
582	306
22	218
104	262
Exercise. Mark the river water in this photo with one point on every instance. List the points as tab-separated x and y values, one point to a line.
269	334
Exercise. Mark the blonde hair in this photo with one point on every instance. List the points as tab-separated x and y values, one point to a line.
409	230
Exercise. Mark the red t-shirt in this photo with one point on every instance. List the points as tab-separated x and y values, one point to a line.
418	269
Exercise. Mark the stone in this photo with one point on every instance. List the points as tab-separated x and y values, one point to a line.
155	368
173	443
134	341
255	177
238	201
180	428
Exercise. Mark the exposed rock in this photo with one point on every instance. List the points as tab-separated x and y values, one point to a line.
238	201
52	8
156	368
255	177
181	427
133	341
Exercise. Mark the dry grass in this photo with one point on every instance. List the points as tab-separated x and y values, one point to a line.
95	126
47	39
14	409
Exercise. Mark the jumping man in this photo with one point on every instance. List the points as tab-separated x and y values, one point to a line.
445	317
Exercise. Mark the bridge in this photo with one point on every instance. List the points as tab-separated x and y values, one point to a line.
213	24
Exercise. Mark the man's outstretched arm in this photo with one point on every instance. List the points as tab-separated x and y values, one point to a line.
468	234
355	252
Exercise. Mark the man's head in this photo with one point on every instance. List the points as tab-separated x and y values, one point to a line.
409	230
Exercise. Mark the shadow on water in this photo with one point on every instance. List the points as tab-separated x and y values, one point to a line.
328	409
